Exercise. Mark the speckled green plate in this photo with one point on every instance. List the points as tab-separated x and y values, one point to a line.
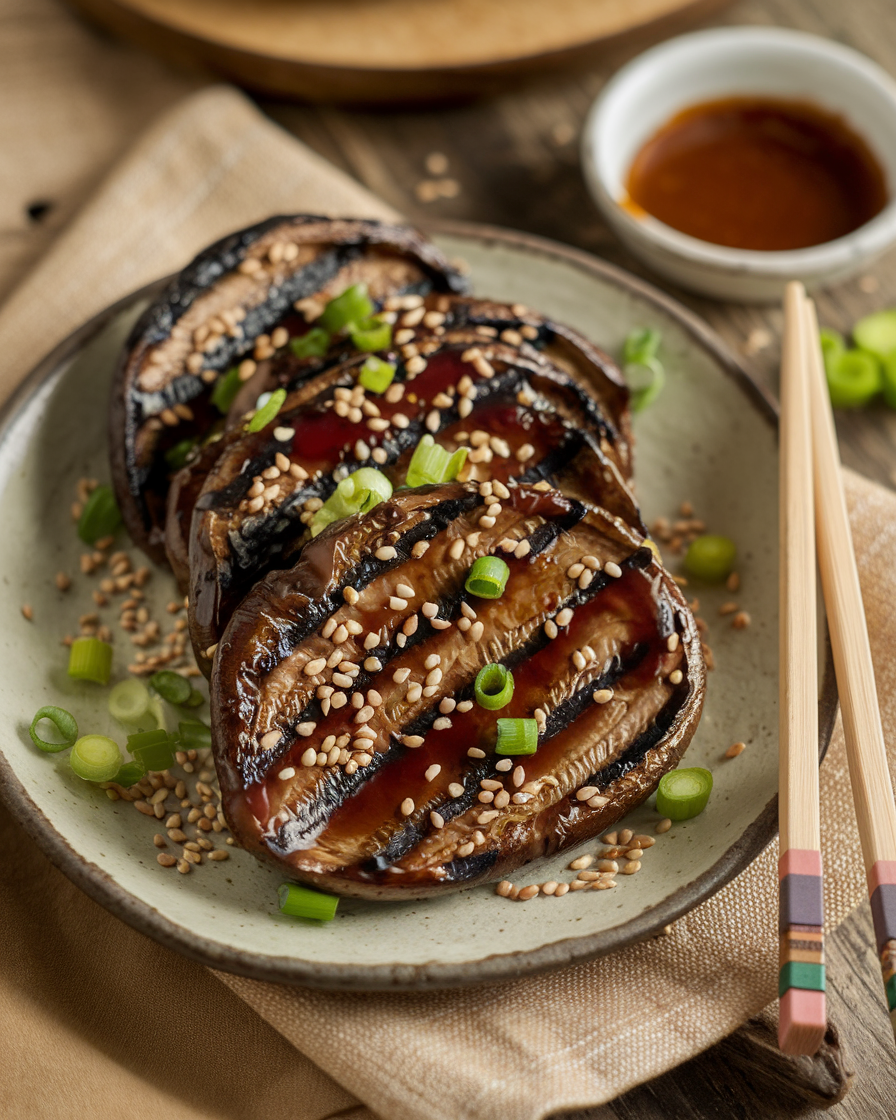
711	439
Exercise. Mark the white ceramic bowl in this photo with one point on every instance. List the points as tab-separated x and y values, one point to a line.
739	61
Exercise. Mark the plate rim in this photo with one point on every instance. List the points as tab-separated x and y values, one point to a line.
104	889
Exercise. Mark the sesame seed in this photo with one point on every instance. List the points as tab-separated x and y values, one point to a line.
309	758
414	692
564	617
485	796
735	749
410	625
488	816
287	773
350	595
432	772
487	521
405	590
270	739
372	664
549	887
519	776
457	548
578	660
490	783
412	741
476	631
521	798
581	863
602	696
591	562
315	666
396	603
504	888
676	676
401	675
342	680
434	676
597	802
528	892
339	635
672	643
585	579
475	752
586	792
504	765
419	549
612	569
438	821
741	620
306	729
465	705
522	550
455	789
550	629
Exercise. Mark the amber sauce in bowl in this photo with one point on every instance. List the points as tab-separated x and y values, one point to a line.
757	173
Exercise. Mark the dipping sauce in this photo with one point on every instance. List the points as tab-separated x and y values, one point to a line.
757	173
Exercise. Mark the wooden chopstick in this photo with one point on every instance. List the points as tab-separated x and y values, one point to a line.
801	977
868	772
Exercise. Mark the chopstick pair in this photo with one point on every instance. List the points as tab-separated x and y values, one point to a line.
813	514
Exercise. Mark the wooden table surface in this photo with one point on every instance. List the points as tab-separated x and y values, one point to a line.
514	162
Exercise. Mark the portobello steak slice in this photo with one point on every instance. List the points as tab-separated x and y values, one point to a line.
226	308
521	418
348	745
421	327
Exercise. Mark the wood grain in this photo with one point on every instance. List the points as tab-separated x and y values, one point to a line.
381	50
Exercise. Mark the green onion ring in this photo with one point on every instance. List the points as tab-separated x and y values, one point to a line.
300	902
64	722
494	687
487	578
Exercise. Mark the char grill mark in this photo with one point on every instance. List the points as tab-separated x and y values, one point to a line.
232	546
311	822
153	380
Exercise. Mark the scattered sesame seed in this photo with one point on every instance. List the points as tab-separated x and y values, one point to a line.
602	695
455	789
407	807
438	821
475	752
612	569
465	705
528	892
672	643
663	826
309	758
735	749
504	765
313	667
397	604
740	621
676	676
286	773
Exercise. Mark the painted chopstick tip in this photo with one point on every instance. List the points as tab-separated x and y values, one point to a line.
802	1021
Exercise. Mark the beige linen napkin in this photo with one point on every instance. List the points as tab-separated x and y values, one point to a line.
518	1050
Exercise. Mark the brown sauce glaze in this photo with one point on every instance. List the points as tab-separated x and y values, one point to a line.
757	173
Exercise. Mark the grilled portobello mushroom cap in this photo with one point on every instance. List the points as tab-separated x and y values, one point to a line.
349	748
221	310
430	323
522	418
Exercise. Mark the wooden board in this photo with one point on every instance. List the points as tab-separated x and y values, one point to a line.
382	50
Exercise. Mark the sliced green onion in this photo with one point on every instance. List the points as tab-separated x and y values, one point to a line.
353	306
710	558
517	736
359	493
194	735
683	794
177	456
854	378
372	334
267	412
100	516
90	659
833	344
129	774
889	380
487	578
431	463
171	686
129	701
644	371
376	375
194	700
494	687
226	389
64	722
96	758
641	345
877	333
153	750
313	344
301	902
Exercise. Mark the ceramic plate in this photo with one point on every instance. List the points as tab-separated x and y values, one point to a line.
711	439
